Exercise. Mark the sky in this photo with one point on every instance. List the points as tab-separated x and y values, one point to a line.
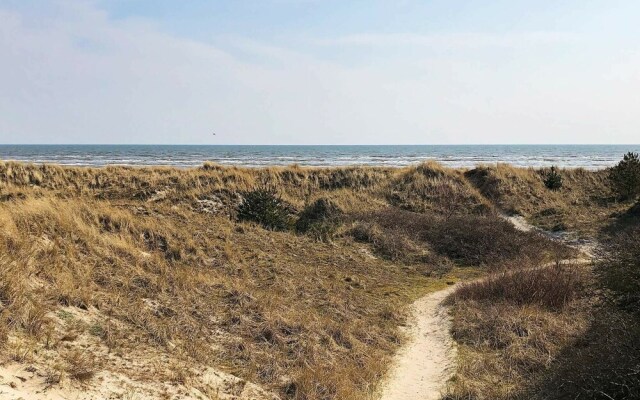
319	71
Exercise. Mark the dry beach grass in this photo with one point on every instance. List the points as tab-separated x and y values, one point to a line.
144	280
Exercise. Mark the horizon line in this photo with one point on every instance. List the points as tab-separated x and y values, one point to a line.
318	145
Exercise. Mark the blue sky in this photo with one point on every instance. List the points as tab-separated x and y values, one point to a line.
319	71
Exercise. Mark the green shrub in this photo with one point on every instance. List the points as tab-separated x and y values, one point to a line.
553	179
265	207
625	177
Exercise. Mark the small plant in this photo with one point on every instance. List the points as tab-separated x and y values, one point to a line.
65	315
53	376
625	177
265	207
553	179
81	365
97	330
22	352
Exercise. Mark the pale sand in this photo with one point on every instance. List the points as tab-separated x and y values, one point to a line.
18	381
139	373
423	366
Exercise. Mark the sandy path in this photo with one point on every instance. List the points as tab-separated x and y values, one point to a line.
423	366
587	247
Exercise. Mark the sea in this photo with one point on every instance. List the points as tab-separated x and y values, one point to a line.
184	156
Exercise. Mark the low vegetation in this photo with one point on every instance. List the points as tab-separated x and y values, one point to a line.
265	207
511	326
585	202
625	177
619	267
468	239
212	268
304	319
604	362
548	287
320	219
288	282
559	330
553	179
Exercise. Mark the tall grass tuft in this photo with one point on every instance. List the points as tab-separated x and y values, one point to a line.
549	287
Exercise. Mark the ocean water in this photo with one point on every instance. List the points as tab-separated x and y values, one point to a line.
586	156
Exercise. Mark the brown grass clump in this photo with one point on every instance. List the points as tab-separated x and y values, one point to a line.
53	376
395	247
490	241
431	187
320	219
4	335
81	365
605	362
618	266
549	287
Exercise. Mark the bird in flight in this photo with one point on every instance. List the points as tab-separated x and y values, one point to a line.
213	133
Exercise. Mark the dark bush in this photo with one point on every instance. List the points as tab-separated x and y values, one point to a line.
489	240
319	219
634	211
469	239
553	179
265	207
474	241
625	177
618	267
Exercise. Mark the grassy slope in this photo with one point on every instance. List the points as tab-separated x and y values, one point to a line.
558	335
584	204
148	261
512	327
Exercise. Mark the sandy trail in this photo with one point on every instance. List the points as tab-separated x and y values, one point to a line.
428	360
587	247
422	367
